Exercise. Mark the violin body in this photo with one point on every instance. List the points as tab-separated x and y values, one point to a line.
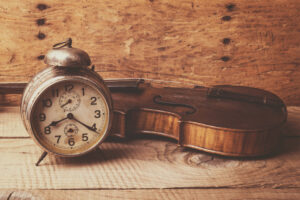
226	120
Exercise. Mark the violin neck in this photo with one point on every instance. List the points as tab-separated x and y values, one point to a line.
112	84
123	84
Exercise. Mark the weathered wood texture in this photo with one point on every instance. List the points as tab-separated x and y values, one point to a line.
142	163
144	168
145	163
10	99
181	194
252	43
11	124
293	122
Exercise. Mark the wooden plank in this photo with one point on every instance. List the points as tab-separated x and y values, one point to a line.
291	194
10	99
145	163
252	43
11	124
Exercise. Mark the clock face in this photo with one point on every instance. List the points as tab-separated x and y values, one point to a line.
70	118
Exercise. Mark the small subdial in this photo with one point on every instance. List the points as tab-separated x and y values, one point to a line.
70	130
69	101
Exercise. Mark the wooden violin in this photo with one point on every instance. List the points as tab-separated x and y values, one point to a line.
226	120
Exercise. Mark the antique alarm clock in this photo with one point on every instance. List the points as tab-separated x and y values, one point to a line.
67	108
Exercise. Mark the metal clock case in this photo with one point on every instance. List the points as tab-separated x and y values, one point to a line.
67	108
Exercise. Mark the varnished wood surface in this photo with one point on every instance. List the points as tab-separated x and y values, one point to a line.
145	168
251	43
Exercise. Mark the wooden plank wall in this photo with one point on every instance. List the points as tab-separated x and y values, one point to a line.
252	43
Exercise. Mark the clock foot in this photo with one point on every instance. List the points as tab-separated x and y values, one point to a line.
44	154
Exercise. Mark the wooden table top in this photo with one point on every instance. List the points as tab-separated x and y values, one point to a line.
144	168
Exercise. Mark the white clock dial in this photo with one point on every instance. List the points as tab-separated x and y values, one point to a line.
70	117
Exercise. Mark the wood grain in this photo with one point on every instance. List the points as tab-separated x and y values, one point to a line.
251	43
10	99
230	142
11	124
144	168
181	194
145	163
293	125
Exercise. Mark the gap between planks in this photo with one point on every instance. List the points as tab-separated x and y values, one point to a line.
152	194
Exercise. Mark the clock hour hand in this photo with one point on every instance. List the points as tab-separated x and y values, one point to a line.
54	123
71	116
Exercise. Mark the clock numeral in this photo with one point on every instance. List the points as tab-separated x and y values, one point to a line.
97	114
82	91
93	101
58	138
85	137
42	117
94	126
55	92
71	141
47	130
69	87
47	103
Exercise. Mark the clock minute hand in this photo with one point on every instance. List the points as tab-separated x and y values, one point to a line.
71	116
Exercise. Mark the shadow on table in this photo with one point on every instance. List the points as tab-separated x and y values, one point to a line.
116	148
